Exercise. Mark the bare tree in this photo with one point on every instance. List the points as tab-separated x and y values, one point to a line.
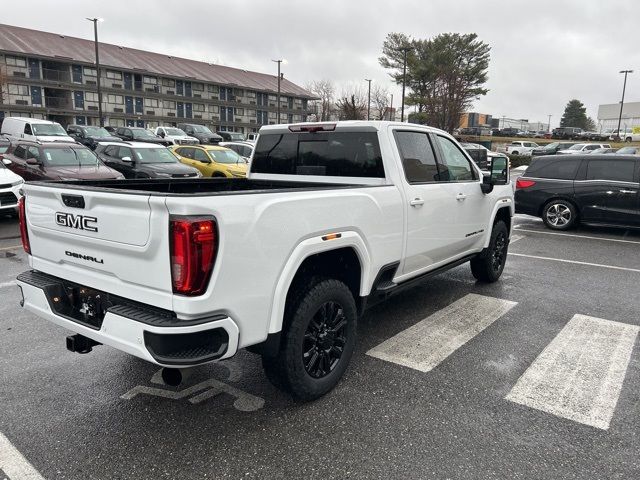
380	100
352	104
325	91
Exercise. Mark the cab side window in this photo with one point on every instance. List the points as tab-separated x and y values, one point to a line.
418	158
454	165
27	129
124	152
201	156
20	152
186	152
33	152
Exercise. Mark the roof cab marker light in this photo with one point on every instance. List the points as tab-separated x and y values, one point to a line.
332	236
313	127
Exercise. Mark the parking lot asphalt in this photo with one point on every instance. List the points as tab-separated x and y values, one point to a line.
545	389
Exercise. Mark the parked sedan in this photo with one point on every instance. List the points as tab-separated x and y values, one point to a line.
551	149
628	151
140	134
593	189
56	161
212	160
244	149
144	160
582	148
90	136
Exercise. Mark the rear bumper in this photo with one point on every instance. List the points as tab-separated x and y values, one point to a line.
159	340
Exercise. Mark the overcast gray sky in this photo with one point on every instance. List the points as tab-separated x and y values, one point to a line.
543	52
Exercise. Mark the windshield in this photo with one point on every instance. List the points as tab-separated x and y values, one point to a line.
174	131
52	129
551	146
4	148
627	150
69	156
201	129
577	146
143	134
236	136
226	156
154	155
97	132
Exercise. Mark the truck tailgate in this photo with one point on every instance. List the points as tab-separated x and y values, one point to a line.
115	242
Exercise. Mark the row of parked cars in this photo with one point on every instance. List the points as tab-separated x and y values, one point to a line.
32	149
532	149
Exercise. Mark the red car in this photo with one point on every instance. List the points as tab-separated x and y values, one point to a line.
56	161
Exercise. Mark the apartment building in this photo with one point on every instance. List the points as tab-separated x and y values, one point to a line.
52	76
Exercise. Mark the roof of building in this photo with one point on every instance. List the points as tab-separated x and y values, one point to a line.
26	41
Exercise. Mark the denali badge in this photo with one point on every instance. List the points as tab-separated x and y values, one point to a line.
88	258
81	222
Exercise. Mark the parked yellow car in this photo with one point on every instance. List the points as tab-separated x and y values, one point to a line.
212	160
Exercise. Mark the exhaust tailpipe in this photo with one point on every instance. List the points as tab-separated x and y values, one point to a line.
175	376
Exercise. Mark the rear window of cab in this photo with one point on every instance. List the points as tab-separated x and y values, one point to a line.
329	154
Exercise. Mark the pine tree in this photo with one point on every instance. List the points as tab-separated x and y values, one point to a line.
575	115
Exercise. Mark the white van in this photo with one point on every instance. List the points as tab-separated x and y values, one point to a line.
34	129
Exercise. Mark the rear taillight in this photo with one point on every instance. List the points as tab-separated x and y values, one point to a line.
194	243
24	234
520	183
313	127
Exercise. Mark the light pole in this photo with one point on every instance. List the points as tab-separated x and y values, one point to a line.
624	87
549	124
368	99
279	77
391	109
95	34
503	117
404	78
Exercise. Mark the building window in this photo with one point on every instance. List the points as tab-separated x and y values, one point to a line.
169	104
198	107
18	89
115	99
116	122
89	71
213	88
251	94
251	113
168	82
197	87
91	96
113	75
16	61
151	102
239	111
214	108
238	92
150	80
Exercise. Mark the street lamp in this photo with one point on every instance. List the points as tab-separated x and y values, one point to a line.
624	87
279	78
95	33
404	78
369	99
549	124
391	110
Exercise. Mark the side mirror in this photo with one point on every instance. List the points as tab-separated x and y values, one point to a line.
126	159
6	161
32	161
498	175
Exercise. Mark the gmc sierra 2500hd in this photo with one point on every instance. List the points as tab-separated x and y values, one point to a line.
333	217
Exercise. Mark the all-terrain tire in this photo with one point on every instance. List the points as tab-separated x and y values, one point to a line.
488	265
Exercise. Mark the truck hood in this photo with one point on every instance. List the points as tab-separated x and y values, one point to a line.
180	137
82	172
7	176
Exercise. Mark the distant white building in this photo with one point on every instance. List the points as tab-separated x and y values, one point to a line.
608	115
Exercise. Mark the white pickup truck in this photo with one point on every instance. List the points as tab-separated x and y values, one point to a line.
332	218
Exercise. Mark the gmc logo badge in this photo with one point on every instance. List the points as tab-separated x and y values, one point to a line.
79	222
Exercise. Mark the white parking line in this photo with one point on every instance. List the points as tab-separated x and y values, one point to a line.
8	284
10	248
576	236
13	464
613	267
579	375
515	238
426	344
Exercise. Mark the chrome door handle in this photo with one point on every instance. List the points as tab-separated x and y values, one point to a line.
416	202
628	191
461	196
